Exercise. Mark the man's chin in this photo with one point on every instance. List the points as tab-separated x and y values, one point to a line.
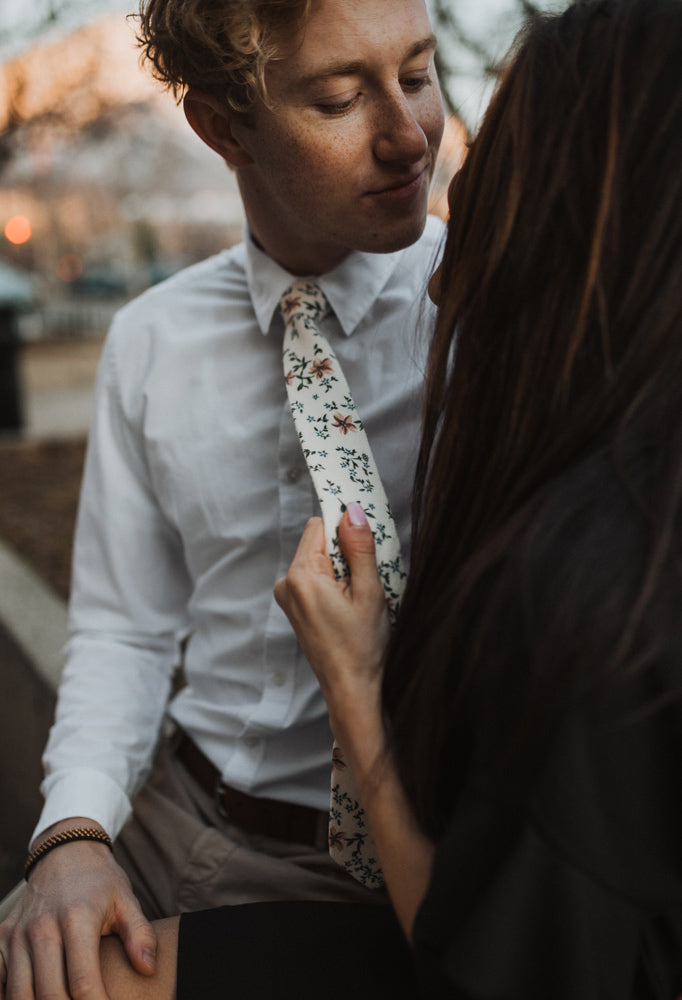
388	241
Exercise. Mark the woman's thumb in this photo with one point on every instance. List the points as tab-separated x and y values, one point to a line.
357	542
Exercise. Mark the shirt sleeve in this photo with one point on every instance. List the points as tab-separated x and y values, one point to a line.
129	596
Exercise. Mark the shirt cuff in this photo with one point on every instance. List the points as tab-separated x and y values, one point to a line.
83	792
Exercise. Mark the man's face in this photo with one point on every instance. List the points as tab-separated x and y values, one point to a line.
344	157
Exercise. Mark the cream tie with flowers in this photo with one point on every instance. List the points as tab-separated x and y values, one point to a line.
343	469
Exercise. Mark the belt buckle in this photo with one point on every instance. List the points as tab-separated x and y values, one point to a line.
218	798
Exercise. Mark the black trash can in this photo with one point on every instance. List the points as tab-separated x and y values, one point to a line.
11	415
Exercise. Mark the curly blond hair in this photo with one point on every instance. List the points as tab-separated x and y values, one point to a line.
219	46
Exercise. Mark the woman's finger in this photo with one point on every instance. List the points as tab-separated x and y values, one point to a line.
307	567
359	550
311	545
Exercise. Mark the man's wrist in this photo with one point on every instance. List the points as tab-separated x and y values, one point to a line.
62	826
87	834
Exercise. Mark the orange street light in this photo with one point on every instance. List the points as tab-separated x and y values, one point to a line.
18	230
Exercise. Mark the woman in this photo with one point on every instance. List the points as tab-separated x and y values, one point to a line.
518	745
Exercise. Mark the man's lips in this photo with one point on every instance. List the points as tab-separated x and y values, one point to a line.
404	188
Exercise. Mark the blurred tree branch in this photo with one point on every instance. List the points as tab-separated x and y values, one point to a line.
456	38
47	14
74	97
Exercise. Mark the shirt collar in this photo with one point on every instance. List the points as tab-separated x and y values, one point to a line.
351	288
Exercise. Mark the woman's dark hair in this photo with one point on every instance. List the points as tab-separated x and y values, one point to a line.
559	333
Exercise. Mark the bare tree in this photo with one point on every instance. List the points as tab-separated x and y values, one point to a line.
63	115
79	96
41	15
472	54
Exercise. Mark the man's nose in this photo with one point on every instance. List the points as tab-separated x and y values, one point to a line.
399	135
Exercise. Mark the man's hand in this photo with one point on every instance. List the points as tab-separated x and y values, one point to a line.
50	942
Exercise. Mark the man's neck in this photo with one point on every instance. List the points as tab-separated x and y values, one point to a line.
301	267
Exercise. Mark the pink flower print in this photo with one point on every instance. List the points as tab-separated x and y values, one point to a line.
289	377
338	763
290	304
321	368
344	424
336	839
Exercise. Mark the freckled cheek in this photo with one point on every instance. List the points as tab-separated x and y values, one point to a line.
335	164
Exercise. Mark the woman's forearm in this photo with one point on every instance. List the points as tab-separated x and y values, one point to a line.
404	851
343	628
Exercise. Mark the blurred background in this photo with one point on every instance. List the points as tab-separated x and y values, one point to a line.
105	190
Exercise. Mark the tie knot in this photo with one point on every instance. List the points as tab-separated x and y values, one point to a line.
304	300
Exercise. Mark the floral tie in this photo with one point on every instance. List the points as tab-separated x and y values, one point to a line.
343	469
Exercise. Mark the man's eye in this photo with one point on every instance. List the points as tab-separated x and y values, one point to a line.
415	83
338	107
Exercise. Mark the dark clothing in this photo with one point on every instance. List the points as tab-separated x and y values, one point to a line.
559	870
559	874
581	900
294	951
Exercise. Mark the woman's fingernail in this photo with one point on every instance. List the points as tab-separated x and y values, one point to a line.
356	514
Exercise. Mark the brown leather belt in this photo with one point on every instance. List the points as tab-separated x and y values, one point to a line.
283	820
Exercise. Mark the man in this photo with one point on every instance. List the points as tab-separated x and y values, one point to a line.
195	491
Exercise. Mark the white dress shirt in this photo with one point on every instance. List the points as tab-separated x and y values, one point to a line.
194	498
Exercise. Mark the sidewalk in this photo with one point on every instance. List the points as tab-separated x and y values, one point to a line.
58	378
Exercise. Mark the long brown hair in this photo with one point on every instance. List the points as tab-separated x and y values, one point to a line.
559	332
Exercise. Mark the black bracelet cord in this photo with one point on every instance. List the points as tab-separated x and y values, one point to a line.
66	837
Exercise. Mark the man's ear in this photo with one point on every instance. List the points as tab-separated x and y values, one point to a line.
214	124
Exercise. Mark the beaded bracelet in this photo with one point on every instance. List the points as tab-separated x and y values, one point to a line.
80	833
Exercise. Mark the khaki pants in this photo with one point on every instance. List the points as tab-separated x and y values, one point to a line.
182	855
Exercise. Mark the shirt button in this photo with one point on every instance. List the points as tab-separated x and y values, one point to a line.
293	475
279	678
250	741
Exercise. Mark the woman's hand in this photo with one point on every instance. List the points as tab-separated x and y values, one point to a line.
343	627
